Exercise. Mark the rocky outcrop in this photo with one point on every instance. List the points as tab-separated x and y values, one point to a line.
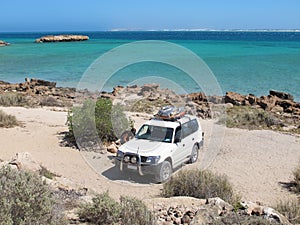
62	38
282	95
188	210
45	93
3	43
277	102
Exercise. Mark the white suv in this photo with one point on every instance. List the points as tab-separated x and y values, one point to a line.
160	146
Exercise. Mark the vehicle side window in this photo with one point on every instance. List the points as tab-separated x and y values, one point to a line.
194	125
189	128
178	133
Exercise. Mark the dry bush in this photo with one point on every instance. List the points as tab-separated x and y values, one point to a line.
134	212
7	121
105	210
248	118
199	184
50	101
13	99
297	179
25	199
290	209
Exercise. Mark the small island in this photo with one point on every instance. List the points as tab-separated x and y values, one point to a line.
62	38
3	43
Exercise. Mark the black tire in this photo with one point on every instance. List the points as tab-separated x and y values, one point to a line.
195	154
165	172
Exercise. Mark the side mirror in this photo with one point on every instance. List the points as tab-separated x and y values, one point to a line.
177	140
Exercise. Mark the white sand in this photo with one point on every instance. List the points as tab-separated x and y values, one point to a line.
255	161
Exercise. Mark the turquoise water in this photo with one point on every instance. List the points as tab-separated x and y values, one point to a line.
245	62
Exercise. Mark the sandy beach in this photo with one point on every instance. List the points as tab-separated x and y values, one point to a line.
256	162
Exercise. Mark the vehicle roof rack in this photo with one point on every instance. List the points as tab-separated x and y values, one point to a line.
170	113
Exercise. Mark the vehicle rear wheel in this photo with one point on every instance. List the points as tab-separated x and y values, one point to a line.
165	172
194	155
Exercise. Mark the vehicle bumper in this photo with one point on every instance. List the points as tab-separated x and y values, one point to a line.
142	169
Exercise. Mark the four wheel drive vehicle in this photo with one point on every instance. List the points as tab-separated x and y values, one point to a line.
160	146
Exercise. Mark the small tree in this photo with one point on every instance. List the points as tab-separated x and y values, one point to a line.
99	118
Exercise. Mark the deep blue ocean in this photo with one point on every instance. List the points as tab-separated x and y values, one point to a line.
244	62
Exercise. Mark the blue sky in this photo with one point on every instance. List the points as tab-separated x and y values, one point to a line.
97	15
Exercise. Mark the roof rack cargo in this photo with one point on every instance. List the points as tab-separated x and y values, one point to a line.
170	113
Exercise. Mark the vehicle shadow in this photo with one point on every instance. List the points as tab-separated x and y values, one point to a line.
114	174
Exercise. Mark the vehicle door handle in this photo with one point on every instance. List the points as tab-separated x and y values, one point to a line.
193	139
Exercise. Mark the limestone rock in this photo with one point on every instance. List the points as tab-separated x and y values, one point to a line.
282	95
24	160
62	38
234	98
39	82
199	96
3	43
267	102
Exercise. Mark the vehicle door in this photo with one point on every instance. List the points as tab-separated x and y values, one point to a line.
188	138
178	153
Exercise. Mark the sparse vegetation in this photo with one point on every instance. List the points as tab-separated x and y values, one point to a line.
105	210
296	174
199	184
97	118
249	118
134	212
13	99
7	120
50	101
232	218
25	199
147	106
290	209
47	173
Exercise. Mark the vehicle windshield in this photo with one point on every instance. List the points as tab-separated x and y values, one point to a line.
155	133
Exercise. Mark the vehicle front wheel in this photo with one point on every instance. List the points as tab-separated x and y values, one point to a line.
165	172
194	155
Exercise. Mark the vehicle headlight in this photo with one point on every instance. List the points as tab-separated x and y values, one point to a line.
120	154
126	159
133	160
153	159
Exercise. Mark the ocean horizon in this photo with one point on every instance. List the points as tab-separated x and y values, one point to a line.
244	61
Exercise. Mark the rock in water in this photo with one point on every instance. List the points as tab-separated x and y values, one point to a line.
3	43
62	38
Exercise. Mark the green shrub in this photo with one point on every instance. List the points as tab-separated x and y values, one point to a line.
103	210
290	209
248	118
7	120
199	184
12	99
24	199
134	212
297	179
110	121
